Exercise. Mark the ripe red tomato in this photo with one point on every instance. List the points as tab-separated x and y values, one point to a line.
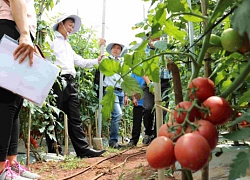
205	88
180	116
192	151
207	130
170	130
160	153
220	110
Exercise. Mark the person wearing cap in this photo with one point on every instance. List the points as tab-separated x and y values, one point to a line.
18	21
67	98
116	50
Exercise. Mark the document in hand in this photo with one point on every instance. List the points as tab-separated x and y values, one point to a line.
31	82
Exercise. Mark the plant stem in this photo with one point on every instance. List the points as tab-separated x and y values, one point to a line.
237	81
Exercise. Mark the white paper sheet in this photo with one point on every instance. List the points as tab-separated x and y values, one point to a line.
31	82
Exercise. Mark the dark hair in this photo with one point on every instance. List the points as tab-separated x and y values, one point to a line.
72	19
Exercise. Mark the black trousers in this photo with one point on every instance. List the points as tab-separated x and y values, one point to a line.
68	102
10	106
137	120
148	104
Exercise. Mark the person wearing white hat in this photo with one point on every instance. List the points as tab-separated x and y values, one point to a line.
115	50
67	98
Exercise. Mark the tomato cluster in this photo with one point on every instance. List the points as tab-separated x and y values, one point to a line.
191	136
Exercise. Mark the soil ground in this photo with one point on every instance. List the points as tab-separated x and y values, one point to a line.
129	164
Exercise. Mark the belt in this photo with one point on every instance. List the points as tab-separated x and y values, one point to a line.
118	89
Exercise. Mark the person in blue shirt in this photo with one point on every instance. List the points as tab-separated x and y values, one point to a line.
148	104
138	111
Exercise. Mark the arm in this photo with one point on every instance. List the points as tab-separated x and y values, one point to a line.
134	100
19	13
146	79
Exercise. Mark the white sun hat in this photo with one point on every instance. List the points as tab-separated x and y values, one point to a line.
77	19
124	49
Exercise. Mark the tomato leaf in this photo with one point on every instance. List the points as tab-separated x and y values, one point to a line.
175	6
108	102
172	30
241	18
240	165
245	97
109	67
162	45
238	135
220	9
131	86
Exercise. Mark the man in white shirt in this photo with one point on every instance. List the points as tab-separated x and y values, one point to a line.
116	50
67	99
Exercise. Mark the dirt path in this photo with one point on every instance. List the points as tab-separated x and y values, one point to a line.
130	165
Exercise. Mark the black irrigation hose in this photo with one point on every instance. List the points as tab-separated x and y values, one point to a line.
99	162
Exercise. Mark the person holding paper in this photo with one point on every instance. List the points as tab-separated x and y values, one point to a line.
67	99
15	14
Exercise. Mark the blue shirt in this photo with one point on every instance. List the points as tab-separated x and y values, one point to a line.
141	81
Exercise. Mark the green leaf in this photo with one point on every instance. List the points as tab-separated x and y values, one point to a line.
245	97
220	9
109	67
172	30
192	18
125	68
152	69
108	102
238	135
161	14
162	45
175	6
219	77
140	46
138	71
244	117
51	127
226	84
131	86
240	165
241	18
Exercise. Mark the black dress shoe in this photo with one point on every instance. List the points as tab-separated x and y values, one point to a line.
92	153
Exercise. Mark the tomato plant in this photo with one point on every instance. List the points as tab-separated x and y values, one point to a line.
160	153
204	88
220	110
207	130
181	109
192	151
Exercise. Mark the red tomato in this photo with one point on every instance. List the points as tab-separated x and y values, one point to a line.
207	130
170	130
181	112
160	153
192	151
220	110
205	88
